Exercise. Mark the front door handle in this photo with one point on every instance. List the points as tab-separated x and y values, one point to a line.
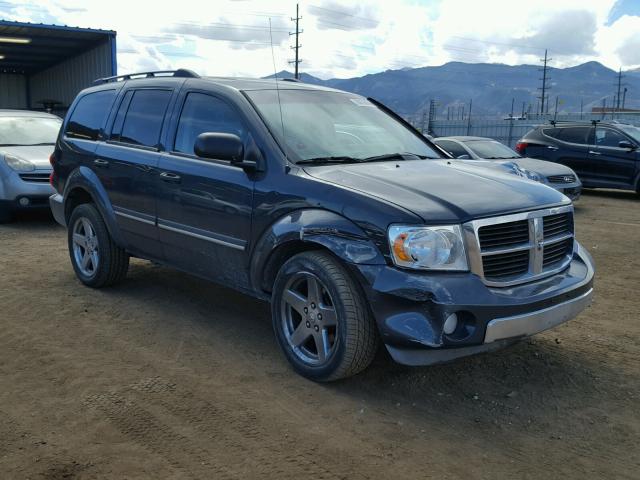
170	177
592	152
99	162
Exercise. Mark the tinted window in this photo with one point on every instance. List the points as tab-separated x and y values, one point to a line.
453	148
89	115
551	132
574	134
116	130
203	113
143	121
605	137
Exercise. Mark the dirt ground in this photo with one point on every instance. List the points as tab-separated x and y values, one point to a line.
166	376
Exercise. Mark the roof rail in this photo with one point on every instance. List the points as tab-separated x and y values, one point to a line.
290	80
180	73
555	122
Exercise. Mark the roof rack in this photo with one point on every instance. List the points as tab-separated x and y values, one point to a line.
290	80
555	122
180	73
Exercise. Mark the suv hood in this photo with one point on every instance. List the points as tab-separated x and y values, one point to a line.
442	191
543	167
38	154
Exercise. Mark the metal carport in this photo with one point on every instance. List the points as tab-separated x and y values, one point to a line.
45	66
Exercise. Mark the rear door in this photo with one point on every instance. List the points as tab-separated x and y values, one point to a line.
614	166
572	149
127	162
205	205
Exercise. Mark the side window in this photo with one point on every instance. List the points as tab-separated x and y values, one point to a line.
89	115
203	113
143	118
116	130
551	132
574	134
452	147
606	137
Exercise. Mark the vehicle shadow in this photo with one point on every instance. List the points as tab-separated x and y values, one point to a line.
539	376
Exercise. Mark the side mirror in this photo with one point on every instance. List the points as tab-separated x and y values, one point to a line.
463	157
627	144
223	146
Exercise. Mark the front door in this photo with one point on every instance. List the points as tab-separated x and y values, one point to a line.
205	205
127	165
573	151
615	166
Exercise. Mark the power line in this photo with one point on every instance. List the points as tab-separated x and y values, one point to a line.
297	46
344	14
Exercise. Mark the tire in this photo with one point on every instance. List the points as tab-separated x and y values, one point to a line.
336	317
106	263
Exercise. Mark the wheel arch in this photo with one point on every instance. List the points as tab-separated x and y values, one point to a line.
304	230
84	186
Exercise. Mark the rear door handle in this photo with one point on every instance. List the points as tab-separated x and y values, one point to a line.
99	162
170	177
592	152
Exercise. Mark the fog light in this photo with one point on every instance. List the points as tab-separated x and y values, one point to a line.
24	202
450	324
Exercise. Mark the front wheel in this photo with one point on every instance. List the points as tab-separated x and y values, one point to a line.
96	259
321	319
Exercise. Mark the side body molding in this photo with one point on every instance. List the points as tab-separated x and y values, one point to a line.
310	226
85	179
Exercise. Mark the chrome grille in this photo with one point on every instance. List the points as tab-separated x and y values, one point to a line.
561	178
35	177
522	247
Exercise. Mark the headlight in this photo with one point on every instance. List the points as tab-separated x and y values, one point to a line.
19	164
428	248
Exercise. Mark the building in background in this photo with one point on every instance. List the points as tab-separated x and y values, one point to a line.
43	67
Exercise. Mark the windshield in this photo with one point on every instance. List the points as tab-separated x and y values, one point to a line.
491	149
633	132
24	131
338	126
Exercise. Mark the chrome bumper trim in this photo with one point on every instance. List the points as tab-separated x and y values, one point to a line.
535	322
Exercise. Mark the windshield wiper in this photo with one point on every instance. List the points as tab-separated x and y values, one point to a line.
393	156
335	159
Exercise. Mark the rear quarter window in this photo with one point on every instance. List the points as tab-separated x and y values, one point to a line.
89	115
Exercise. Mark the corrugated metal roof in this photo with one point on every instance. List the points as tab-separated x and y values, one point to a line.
48	45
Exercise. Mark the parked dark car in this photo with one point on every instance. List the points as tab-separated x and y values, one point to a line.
497	155
602	154
323	202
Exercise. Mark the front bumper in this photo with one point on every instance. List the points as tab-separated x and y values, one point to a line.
571	190
410	309
18	194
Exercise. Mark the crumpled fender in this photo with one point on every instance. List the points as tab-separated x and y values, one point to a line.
85	179
315	226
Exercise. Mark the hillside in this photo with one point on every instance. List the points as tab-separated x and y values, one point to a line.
491	86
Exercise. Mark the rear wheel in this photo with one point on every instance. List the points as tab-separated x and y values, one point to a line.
96	259
321	319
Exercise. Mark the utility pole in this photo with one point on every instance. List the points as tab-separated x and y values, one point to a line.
297	46
619	88
544	79
469	117
624	96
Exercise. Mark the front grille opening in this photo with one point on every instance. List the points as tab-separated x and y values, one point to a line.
504	265
35	177
561	178
503	234
560	224
556	253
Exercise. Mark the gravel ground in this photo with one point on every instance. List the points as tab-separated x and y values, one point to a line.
166	376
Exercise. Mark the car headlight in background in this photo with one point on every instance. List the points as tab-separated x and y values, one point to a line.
428	248
19	164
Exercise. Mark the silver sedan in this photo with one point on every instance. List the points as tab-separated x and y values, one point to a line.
497	155
27	140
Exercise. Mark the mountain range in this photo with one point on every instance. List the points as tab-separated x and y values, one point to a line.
492	87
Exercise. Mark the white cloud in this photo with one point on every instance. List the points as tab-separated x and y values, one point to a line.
346	39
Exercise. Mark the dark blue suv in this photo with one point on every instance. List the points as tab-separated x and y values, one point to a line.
356	228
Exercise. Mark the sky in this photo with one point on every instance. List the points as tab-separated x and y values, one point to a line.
343	39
